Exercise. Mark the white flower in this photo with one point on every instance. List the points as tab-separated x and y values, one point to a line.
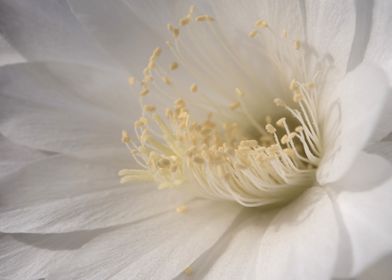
260	157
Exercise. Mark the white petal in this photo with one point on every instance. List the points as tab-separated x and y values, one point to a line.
364	200
349	118
330	30
381	270
380	41
236	256
66	108
159	248
14	157
8	55
61	195
32	256
301	241
118	29
383	149
47	30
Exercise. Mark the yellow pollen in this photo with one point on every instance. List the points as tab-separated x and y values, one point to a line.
174	30
185	20
173	66
149	108
193	88
182	209
293	85
252	34
144	92
125	137
281	122
166	80
188	271
205	18
270	128
261	23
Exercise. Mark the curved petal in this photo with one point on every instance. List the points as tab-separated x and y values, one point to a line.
158	248
47	30
363	200
119	30
383	149
61	195
65	108
32	256
380	41
349	118
14	157
330	30
8	55
381	270
304	229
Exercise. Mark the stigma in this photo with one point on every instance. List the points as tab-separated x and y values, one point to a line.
228	153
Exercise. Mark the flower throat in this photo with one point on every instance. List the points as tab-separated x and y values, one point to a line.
255	163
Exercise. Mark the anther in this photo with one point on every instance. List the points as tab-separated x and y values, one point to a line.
193	88
125	137
279	102
173	66
182	209
239	92
166	80
261	23
144	91
293	85
185	20
149	108
252	34
188	271
270	128
205	18
174	30
281	122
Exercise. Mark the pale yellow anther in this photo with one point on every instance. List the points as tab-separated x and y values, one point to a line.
239	92
180	103
234	105
298	97
157	52
141	122
253	33
188	271
279	102
166	80
293	85
261	23
174	30
284	140
205	18
299	129
297	44
193	88
270	128
181	209
125	137
144	91
149	108
163	163
185	20
131	80
281	122
173	66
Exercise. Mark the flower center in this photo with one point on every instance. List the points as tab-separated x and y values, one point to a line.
232	153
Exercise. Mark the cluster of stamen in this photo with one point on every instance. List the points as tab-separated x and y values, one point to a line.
219	159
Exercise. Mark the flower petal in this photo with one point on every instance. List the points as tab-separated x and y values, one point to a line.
14	157
383	149
363	199
8	55
349	117
330	30
118	30
47	30
380	41
304	229
32	256
158	248
65	108
61	195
